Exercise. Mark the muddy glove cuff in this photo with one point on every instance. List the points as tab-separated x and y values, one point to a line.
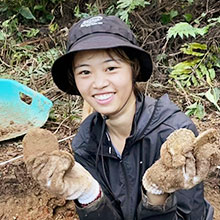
149	186
89	195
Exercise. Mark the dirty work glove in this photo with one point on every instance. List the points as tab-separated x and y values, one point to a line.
55	170
185	161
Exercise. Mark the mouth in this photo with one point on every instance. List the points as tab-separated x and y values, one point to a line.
104	98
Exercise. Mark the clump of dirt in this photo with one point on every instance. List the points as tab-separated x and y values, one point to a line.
38	140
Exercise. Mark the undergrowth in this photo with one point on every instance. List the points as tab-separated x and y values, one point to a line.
27	54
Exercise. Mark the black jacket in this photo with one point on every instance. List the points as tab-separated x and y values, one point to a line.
120	178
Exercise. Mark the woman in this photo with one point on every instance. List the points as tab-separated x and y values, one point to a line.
121	140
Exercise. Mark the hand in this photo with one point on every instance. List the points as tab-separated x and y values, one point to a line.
185	161
57	172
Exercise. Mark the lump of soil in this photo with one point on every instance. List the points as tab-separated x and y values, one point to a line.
38	140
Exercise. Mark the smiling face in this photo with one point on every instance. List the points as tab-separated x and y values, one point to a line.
104	80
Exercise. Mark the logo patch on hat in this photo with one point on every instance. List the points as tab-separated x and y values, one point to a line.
92	21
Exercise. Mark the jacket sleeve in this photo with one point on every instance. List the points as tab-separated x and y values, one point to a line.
165	212
102	208
181	205
98	210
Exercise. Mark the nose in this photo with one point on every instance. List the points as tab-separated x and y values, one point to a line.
100	80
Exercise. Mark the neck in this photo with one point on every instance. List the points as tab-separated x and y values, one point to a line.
120	125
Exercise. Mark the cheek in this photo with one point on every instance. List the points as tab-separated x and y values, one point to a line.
84	87
80	85
126	81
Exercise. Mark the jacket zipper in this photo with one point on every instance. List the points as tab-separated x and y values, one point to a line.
127	189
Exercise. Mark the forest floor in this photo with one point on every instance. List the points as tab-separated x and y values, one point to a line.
20	196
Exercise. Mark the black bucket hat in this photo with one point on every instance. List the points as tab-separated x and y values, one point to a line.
99	32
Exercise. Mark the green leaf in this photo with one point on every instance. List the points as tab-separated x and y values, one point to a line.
123	16
215	19
202	31
25	12
181	28
190	1
39	7
161	57
3	8
185	29
205	72
194	80
185	67
165	19
2	36
123	4
217	63
188	17
191	49
197	110
199	74
212	73
173	14
213	96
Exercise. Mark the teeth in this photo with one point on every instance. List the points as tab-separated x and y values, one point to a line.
103	97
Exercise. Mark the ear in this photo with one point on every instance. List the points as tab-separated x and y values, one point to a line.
87	110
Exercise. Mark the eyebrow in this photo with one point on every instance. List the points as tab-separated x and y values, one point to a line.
106	61
81	65
110	60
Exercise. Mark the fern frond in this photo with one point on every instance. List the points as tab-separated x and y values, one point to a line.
125	7
184	29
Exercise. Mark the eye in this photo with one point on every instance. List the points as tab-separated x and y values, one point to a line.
111	68
84	72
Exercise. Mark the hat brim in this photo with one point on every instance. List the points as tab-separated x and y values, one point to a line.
63	65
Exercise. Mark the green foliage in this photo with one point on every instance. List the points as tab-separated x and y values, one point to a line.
25	60
9	28
29	10
188	17
26	13
182	29
167	17
33	32
92	10
196	109
122	9
185	29
200	68
53	27
125	7
190	1
213	95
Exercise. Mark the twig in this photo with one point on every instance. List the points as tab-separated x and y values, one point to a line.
5	63
66	138
61	124
9	161
207	6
